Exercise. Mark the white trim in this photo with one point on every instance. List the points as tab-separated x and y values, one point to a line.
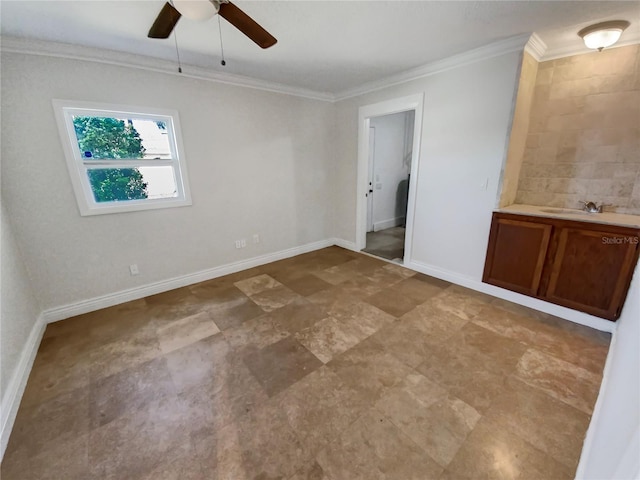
532	43
111	299
365	113
389	223
111	57
501	47
78	166
347	245
535	47
579	48
540	305
13	394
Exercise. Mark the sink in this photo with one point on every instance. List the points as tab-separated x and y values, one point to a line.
564	211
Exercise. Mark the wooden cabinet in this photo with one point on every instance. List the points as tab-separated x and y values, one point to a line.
581	265
517	257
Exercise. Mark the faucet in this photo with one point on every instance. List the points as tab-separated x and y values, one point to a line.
591	207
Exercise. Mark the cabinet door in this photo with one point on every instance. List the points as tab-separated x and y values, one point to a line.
591	271
516	254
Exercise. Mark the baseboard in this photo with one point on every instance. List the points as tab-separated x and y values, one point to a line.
540	305
13	394
389	223
345	244
109	300
546	307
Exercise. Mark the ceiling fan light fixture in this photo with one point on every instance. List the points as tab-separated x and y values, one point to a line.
603	35
197	9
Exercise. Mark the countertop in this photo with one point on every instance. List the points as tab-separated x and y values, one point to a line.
607	218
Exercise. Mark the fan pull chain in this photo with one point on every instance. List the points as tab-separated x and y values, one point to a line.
175	38
222	62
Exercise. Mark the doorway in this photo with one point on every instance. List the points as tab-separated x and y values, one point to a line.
390	155
389	137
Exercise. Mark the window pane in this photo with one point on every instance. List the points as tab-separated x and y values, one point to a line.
161	182
121	138
123	184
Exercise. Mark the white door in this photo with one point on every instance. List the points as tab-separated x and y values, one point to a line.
372	146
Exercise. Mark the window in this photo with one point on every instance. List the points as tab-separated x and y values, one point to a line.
121	158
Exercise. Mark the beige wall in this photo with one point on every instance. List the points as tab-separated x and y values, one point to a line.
584	132
519	130
465	132
258	162
19	325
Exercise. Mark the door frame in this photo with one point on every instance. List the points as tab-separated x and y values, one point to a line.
365	113
370	179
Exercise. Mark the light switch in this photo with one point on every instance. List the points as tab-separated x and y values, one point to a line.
378	186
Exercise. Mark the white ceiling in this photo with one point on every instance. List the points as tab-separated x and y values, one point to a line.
325	46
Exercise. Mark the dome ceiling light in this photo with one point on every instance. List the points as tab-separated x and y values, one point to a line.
196	9
603	35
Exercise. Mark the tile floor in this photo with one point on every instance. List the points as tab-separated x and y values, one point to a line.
329	366
388	243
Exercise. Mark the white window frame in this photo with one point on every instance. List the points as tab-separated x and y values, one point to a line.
78	166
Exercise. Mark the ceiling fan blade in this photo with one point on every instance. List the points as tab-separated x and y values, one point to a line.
246	25
165	22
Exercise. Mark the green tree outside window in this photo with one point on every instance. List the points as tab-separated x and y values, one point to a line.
111	138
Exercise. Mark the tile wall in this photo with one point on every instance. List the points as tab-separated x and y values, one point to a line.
584	132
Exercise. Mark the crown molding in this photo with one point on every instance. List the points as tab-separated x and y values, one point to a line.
29	46
579	48
535	47
531	43
501	47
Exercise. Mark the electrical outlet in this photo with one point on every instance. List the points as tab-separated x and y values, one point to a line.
238	243
256	238
243	243
133	269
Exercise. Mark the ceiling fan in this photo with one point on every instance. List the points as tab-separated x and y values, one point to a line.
205	9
